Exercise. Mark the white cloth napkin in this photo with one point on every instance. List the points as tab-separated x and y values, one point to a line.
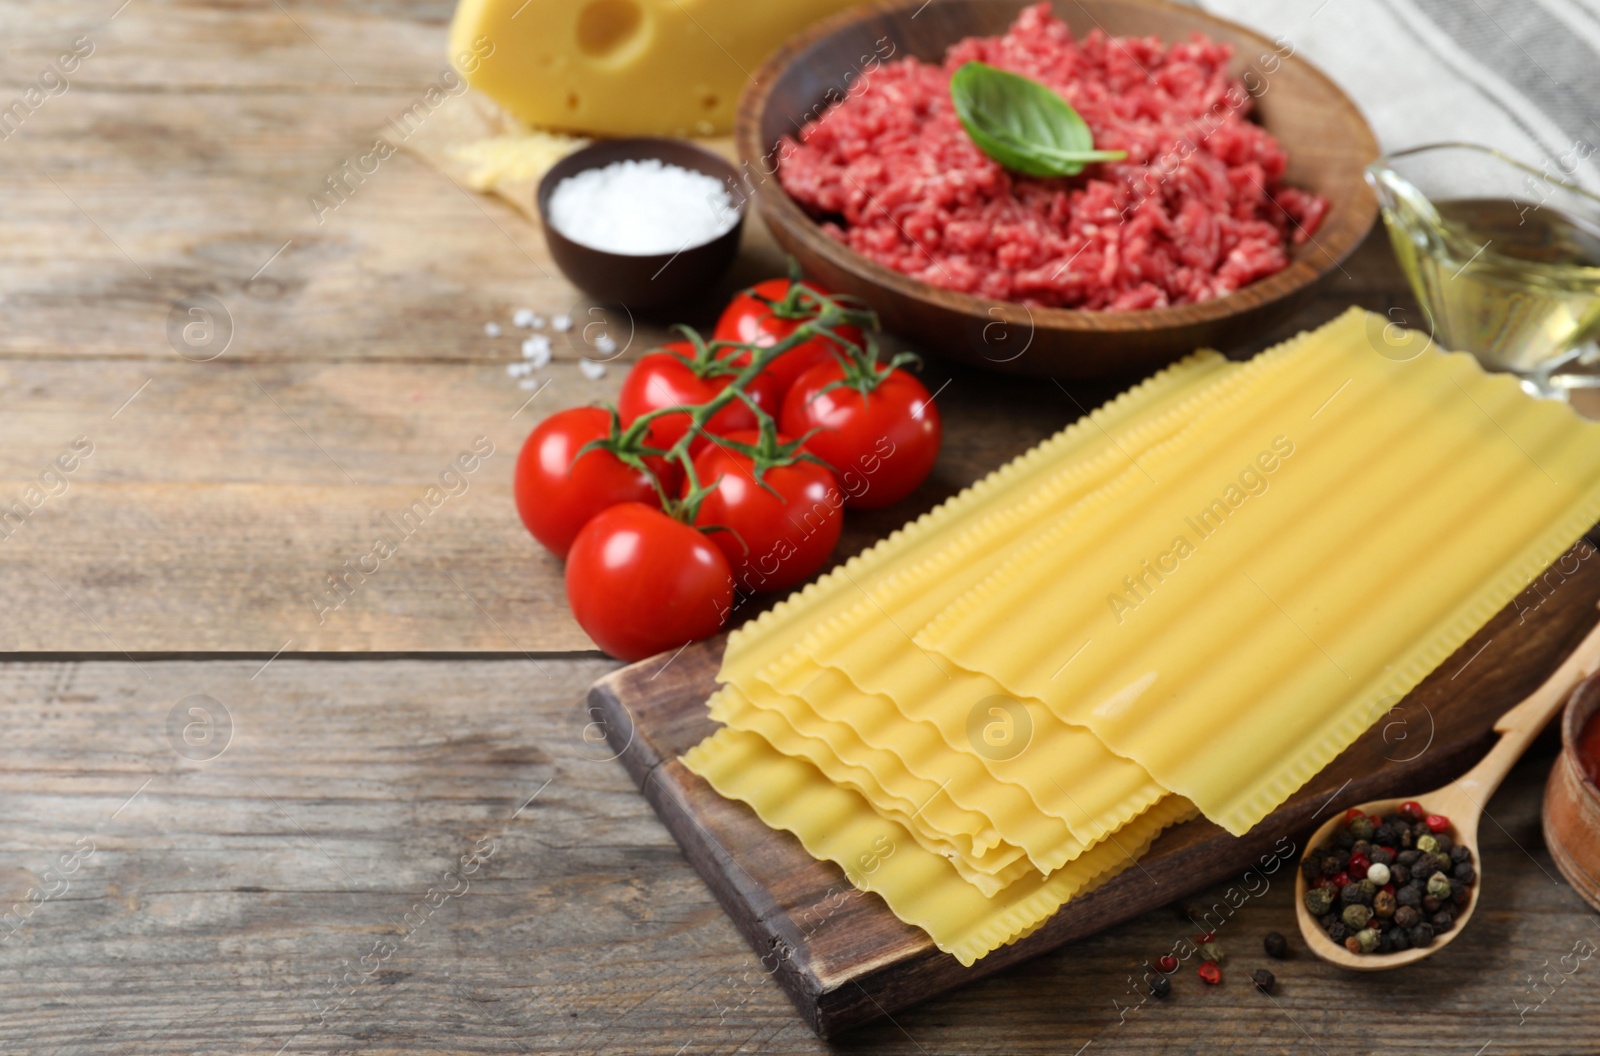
1520	75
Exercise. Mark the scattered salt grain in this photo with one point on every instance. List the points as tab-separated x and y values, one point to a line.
641	208
536	350
561	323
519	370
523	317
592	370
492	329
605	344
528	383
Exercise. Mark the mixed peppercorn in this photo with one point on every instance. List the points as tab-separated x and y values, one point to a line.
1386	884
1210	969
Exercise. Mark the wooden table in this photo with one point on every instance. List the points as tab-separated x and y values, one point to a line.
259	794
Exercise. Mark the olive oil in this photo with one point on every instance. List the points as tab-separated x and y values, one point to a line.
1513	279
1514	283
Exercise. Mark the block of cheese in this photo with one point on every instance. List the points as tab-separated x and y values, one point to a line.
877	854
626	67
1237	613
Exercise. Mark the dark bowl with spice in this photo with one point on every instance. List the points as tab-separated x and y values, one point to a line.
1572	797
644	282
1325	138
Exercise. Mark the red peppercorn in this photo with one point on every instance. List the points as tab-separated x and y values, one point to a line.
1166	964
1201	940
1352	814
1389	888
1358	866
1376	821
1211	972
1438	823
1339	879
1322	881
1412	810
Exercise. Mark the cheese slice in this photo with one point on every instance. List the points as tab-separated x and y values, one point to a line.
630	67
1246	624
879	855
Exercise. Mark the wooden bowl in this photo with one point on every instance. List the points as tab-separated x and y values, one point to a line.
1327	141
1572	802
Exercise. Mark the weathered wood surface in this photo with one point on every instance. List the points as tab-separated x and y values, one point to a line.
851	962
224	897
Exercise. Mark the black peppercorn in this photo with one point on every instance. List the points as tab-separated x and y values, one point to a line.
1399	874
1406	857
1160	986
1352	894
1460	853
1430	904
1460	893
1422	936
1446	844
1382	856
1410	895
1338	932
1399	939
1328	920
1264	980
1383	835
1443	920
1276	945
1311	867
1344	838
1425	866
1385	944
1464	872
1406	917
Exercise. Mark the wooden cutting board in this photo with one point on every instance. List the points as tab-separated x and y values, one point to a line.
845	959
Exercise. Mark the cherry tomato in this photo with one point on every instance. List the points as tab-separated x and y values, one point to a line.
557	498
640	583
750	321
782	538
666	379
880	448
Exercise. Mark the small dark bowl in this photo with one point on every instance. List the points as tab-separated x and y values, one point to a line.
656	280
1572	802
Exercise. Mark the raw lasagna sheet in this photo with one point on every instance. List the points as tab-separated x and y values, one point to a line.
989	869
1232	628
879	855
933	714
824	704
902	699
767	637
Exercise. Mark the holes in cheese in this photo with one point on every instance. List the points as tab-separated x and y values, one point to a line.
606	27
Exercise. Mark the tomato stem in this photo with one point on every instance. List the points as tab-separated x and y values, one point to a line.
823	316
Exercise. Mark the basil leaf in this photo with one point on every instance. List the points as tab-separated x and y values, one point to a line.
1022	124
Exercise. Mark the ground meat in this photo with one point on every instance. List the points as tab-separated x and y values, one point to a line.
1197	210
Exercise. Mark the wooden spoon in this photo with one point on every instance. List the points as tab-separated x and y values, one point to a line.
1462	801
